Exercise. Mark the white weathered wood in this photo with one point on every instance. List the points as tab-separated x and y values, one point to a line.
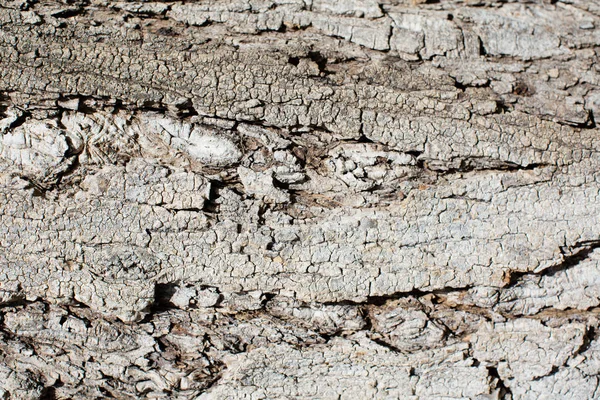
299	199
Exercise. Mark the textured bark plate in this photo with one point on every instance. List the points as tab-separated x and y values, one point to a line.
299	199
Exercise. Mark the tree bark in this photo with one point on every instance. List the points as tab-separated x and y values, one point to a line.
299	199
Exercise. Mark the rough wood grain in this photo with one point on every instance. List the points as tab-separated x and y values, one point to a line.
299	199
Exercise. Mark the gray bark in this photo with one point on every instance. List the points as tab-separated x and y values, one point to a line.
299	199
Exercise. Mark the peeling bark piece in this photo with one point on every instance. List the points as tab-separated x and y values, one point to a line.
186	296
577	379
105	138
406	326
204	145
142	7
372	34
513	32
260	184
430	34
525	349
565	287
37	149
575	288
366	9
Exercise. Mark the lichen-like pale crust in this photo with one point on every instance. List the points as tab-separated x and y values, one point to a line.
299	199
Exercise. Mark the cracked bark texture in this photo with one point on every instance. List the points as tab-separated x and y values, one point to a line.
299	199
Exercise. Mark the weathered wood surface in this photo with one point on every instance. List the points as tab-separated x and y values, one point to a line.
299	199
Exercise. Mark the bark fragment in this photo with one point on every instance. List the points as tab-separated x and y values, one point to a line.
299	199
